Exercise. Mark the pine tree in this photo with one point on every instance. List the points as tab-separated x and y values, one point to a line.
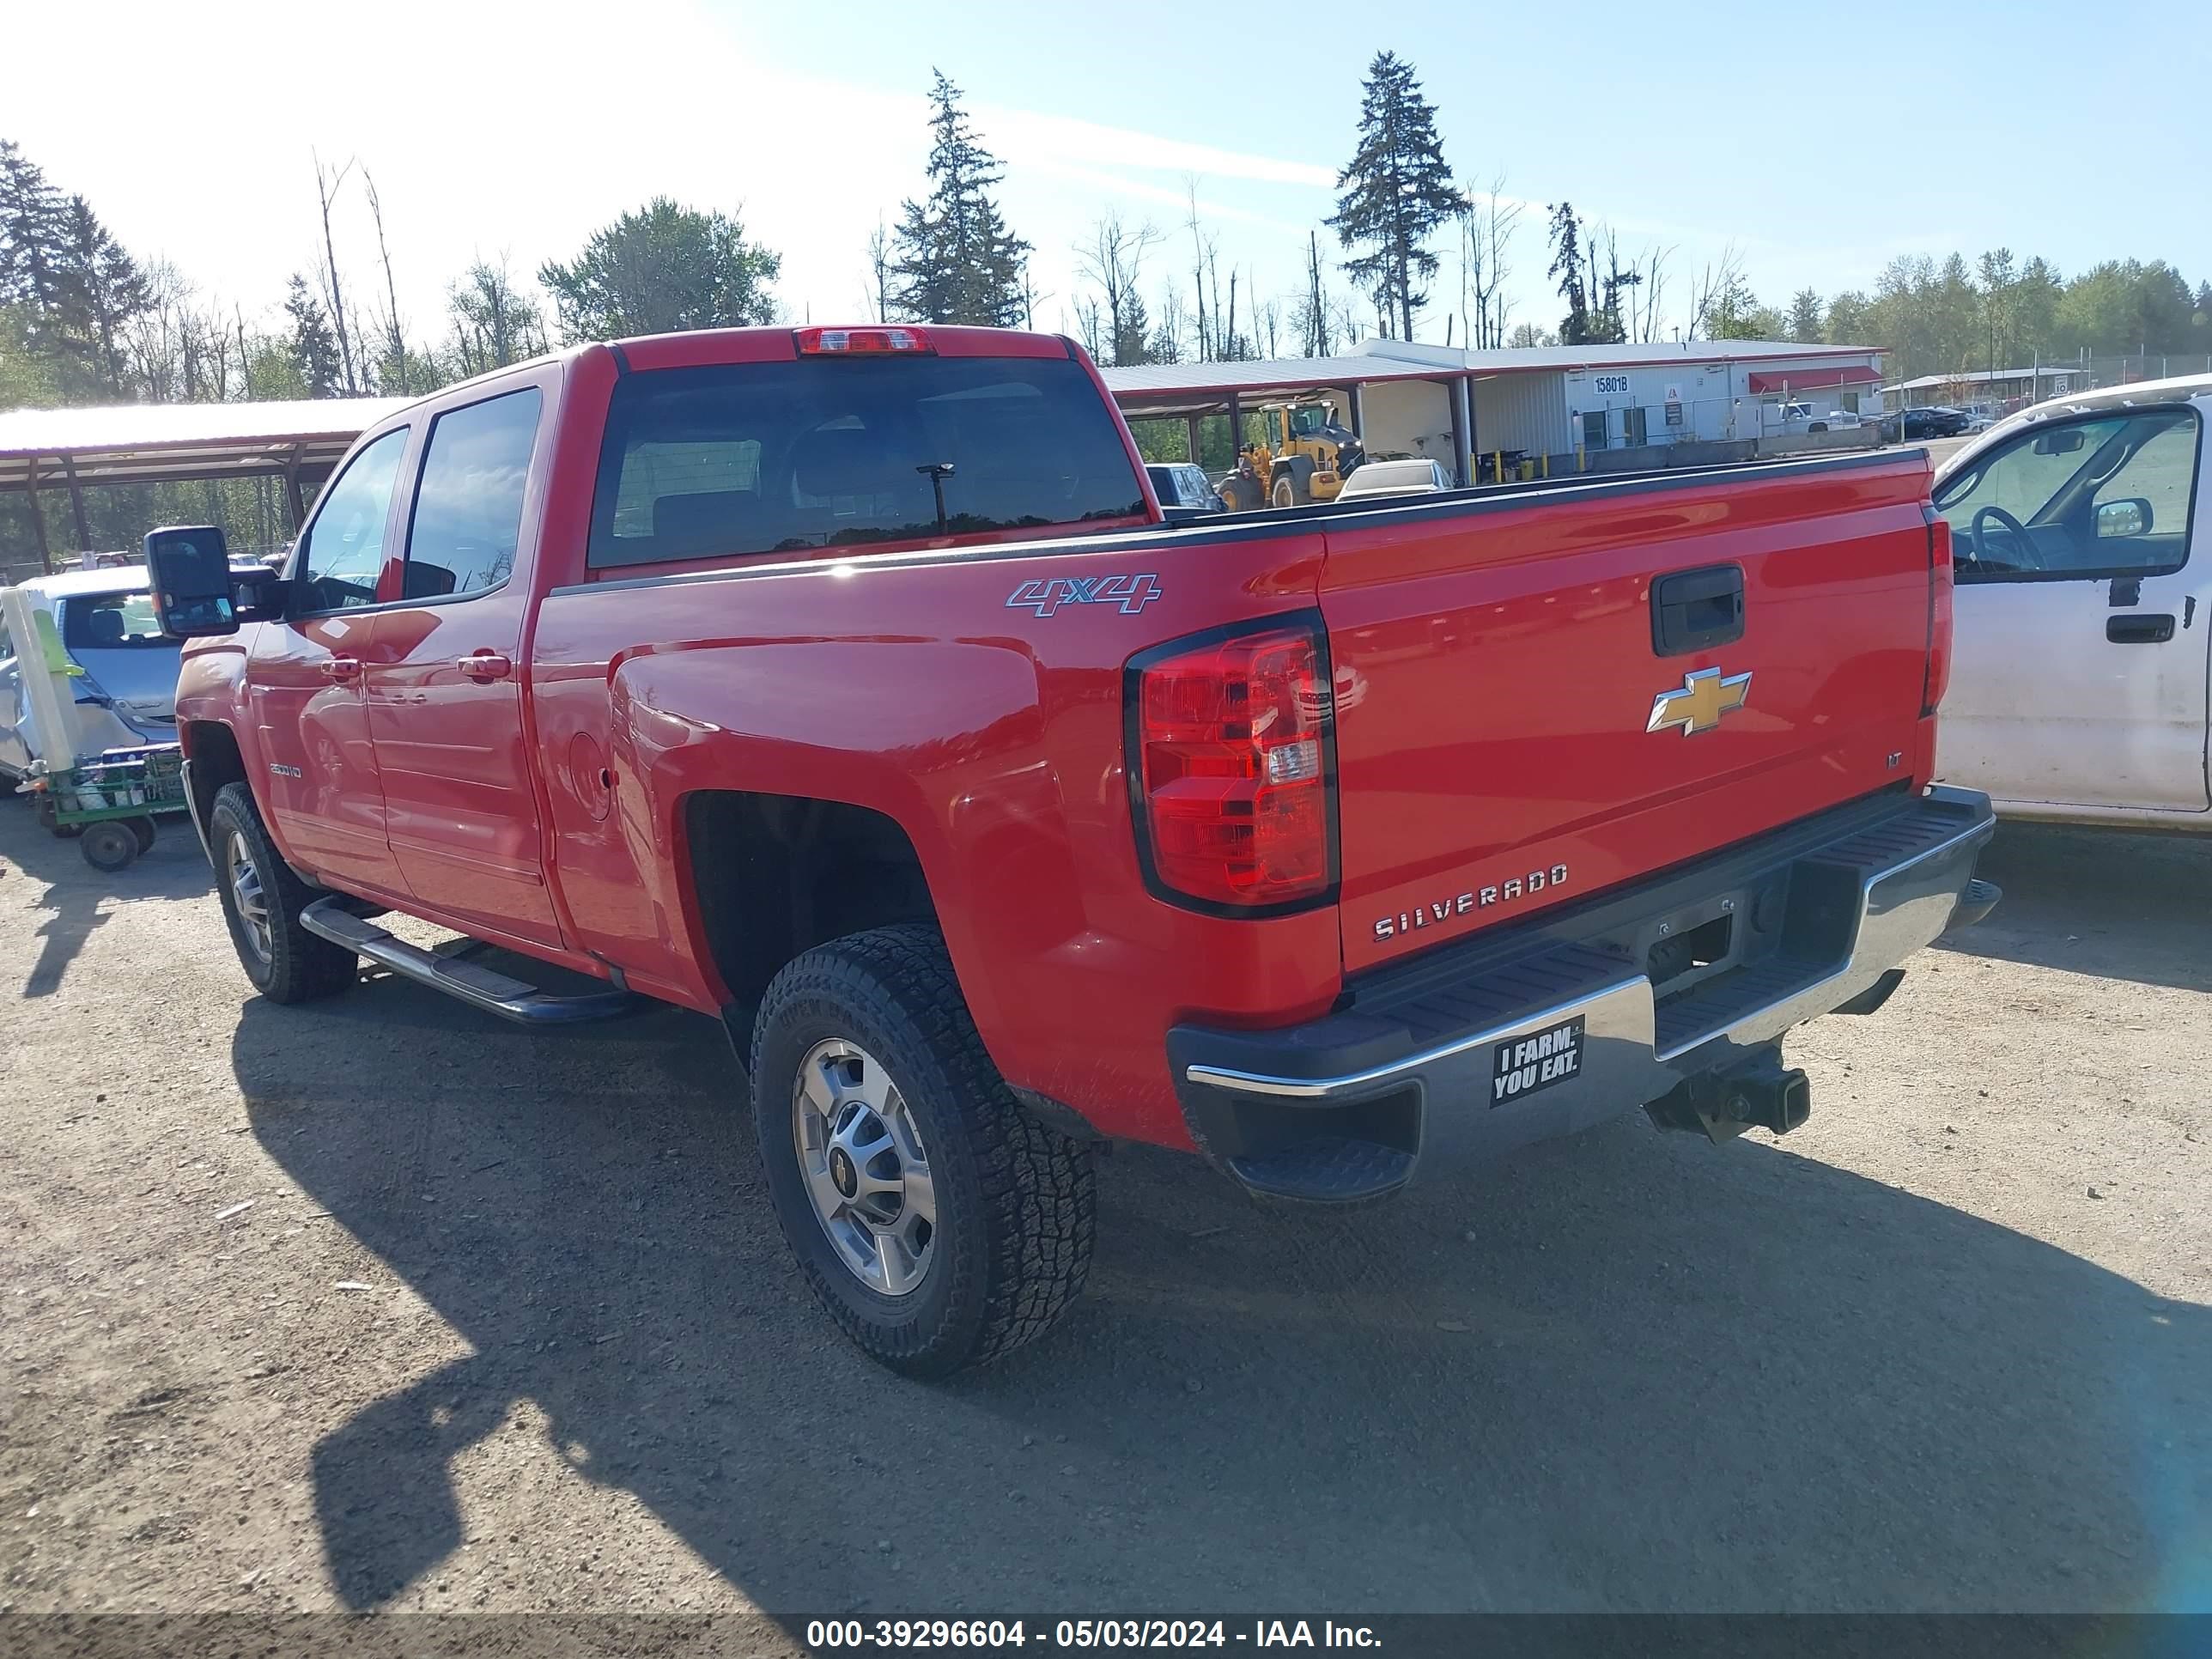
30	233
1567	266
313	347
1399	191
102	293
956	260
1806	313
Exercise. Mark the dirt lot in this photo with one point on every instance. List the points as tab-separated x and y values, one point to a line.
508	1324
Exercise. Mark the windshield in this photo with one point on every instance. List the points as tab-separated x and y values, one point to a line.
785	457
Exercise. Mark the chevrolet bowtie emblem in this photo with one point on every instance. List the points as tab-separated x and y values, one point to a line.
1698	706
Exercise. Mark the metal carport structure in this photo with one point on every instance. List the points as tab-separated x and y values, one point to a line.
74	450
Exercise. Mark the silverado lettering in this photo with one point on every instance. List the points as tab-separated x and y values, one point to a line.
660	665
1535	881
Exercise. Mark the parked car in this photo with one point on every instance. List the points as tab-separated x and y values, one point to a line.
842	685
1182	490
1915	425
1376	479
2084	605
104	621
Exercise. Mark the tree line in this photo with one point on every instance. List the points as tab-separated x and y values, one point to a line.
82	320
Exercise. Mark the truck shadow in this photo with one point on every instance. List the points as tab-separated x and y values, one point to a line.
2110	903
175	868
1631	1371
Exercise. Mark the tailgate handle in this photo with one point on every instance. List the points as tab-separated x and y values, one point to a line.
1696	610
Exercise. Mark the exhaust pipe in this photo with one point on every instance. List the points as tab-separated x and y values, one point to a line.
1760	1094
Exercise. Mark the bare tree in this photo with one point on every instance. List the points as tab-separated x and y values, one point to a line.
1344	318
1200	256
326	189
395	338
1090	322
245	357
1169	330
1486	219
881	260
1312	314
1654	267
1715	286
494	325
1114	258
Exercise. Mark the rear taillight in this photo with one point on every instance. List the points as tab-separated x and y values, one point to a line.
1940	586
862	342
1231	761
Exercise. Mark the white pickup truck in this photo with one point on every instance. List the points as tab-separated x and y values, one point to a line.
2083	547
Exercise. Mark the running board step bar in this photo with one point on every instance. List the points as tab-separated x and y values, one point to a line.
477	986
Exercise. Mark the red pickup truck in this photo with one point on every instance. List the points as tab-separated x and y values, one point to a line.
844	685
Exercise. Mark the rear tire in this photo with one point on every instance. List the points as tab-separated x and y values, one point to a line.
143	830
261	898
875	1024
49	817
1286	492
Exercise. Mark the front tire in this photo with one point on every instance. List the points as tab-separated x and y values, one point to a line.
261	898
937	1221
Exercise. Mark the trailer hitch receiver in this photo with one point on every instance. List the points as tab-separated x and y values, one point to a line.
1760	1093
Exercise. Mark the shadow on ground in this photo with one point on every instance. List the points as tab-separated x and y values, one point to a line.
2117	904
1627	1372
175	868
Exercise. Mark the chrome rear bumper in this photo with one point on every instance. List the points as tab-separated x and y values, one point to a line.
1517	1035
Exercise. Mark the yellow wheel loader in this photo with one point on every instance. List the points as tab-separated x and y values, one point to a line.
1304	453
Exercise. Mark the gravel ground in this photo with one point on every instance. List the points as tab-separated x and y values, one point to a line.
381	1305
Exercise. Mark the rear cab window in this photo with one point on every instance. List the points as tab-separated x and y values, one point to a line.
823	453
111	622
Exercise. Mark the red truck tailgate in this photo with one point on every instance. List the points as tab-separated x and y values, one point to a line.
1497	672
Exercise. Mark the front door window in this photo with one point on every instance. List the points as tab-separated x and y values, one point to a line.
2106	496
341	556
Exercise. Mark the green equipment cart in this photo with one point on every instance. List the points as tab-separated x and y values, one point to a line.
107	804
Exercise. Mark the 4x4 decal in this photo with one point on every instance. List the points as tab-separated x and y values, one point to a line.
1046	594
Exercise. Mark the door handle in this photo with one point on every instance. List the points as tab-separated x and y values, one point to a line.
2139	630
485	666
339	668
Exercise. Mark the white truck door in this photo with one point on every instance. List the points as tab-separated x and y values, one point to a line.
2080	665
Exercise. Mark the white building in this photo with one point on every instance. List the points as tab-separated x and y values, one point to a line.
1558	400
1563	403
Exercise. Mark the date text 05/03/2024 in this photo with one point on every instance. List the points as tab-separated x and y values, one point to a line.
1000	1634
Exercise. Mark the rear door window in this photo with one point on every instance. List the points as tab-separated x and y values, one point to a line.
779	458
468	506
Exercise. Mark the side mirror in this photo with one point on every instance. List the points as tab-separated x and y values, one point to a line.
2064	442
2128	516
190	571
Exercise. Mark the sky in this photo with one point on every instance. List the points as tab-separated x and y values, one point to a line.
1817	142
